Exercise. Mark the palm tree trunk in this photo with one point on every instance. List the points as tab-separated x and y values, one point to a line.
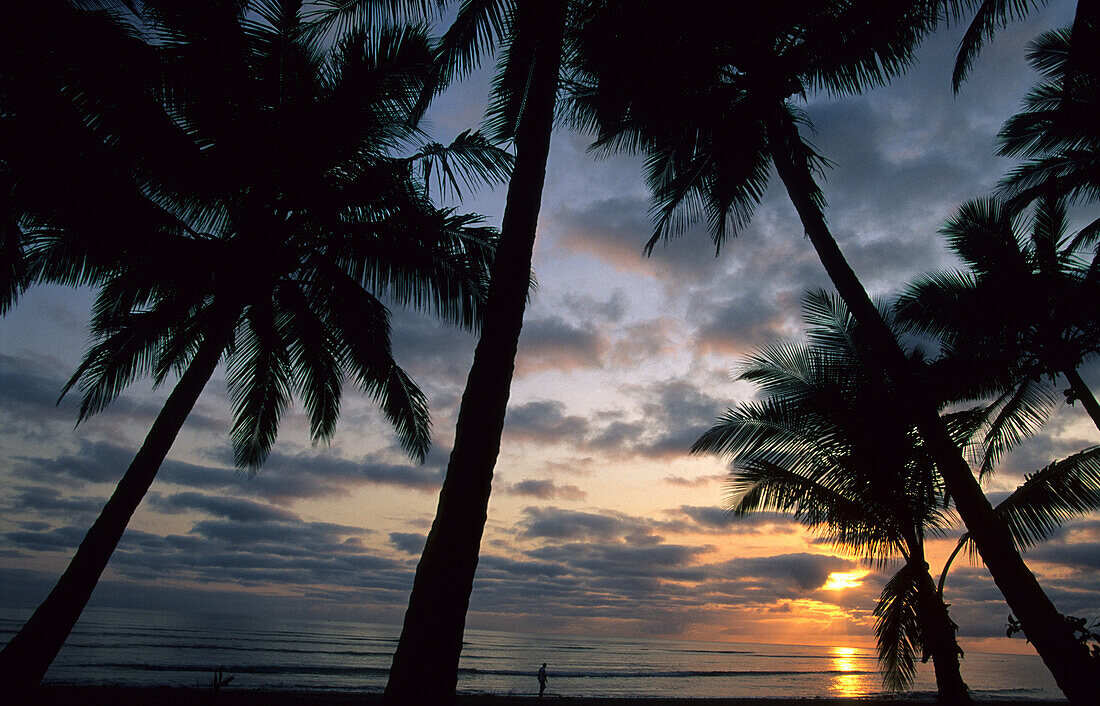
1044	627
24	660
425	664
938	635
1082	392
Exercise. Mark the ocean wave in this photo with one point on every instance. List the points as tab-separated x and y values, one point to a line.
351	670
251	648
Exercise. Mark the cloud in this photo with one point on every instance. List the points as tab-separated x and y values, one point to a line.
678	412
586	307
407	542
235	509
545	422
552	343
695	481
545	490
805	572
558	524
688	518
616	229
754	316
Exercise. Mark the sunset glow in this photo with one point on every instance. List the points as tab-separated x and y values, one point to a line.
844	579
600	521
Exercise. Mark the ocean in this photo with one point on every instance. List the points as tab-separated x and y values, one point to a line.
150	648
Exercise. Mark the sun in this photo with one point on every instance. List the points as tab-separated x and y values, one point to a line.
844	579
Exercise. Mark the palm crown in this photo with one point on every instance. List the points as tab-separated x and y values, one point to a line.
1022	313
295	217
820	447
735	75
278	210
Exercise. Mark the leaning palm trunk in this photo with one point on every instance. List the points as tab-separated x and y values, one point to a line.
939	641
1044	627
938	634
24	660
425	664
1082	392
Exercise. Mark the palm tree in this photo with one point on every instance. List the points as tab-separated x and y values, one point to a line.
293	215
1057	130
530	39
819	446
1023	312
69	119
711	104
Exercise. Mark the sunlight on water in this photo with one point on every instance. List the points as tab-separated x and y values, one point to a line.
850	679
163	648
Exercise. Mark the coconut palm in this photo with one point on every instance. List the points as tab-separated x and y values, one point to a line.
1057	131
529	37
295	215
819	447
713	106
68	119
1023	312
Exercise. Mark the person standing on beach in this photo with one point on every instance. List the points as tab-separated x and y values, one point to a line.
542	679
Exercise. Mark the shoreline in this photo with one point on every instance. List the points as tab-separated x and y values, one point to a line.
88	695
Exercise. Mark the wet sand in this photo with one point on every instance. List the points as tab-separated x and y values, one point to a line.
181	696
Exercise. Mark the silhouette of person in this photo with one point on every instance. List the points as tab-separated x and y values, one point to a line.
542	679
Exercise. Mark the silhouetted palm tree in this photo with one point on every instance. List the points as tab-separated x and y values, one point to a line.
707	91
529	37
294	213
1025	310
819	446
1058	131
70	123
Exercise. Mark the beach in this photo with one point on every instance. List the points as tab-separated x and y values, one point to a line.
179	696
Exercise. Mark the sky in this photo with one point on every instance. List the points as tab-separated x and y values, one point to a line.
600	522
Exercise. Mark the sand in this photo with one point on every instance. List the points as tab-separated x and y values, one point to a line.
179	696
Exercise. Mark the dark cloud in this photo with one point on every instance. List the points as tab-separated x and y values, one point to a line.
586	308
616	229
545	490
51	502
26	387
431	351
544	421
735	326
235	509
617	435
678	412
407	542
558	524
807	572
554	344
716	519
58	539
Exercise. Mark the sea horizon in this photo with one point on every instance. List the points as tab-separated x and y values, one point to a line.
118	647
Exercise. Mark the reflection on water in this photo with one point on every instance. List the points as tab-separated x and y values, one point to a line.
850	678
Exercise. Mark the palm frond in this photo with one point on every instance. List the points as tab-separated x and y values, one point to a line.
1019	413
898	628
259	379
469	162
1048	497
327	19
991	16
480	28
314	358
